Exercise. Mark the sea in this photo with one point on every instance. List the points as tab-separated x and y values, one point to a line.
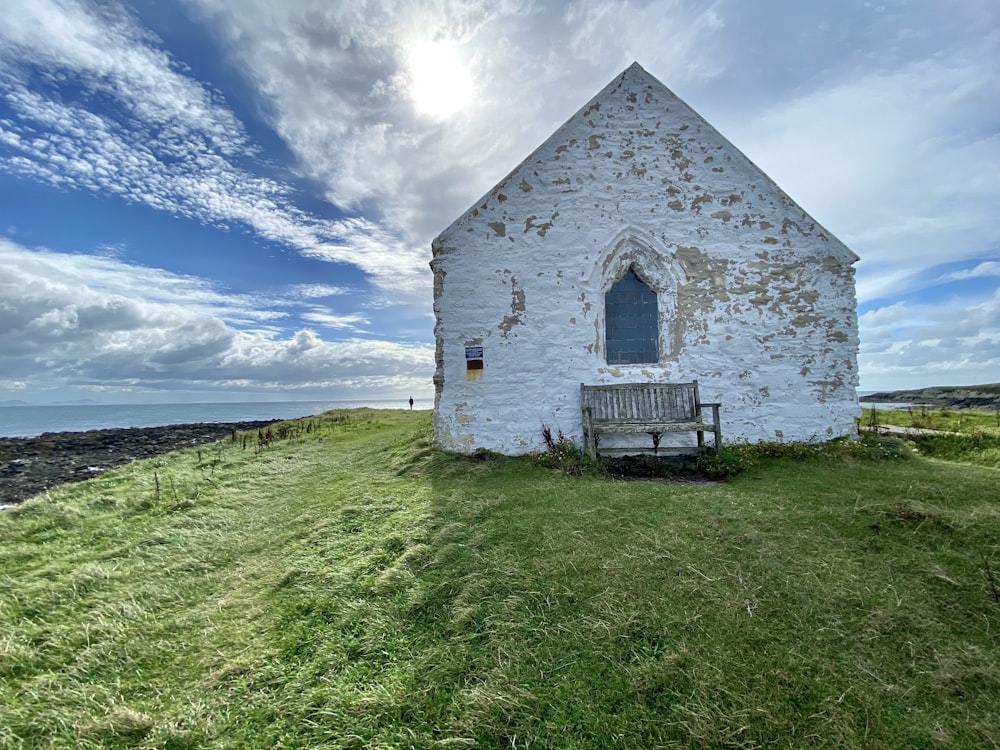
864	398
29	421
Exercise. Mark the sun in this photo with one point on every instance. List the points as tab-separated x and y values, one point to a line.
440	83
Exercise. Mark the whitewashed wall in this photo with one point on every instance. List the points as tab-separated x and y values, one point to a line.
756	299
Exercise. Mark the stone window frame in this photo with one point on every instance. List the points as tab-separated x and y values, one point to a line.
634	249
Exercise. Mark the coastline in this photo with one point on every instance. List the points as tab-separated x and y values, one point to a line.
32	420
32	465
980	397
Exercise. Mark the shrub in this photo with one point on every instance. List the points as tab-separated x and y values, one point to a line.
976	447
728	462
738	458
562	453
875	448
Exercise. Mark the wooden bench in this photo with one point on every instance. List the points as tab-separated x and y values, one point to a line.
653	408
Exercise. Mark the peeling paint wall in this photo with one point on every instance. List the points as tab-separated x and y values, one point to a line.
756	301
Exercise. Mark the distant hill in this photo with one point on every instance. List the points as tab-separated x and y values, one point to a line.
945	396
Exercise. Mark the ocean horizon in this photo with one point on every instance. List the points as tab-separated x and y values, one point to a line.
23	420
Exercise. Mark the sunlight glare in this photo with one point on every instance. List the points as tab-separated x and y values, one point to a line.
440	83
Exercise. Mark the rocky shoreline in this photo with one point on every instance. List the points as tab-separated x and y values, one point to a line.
32	465
986	397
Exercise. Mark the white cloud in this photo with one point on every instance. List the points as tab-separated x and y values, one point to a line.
336	78
668	36
170	146
913	345
317	291
985	269
880	119
107	51
328	319
76	320
881	145
894	162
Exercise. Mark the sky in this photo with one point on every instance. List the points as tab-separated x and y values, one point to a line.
209	200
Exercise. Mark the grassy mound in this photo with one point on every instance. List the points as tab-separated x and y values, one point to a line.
343	585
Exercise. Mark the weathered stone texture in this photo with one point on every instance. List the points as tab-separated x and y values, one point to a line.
756	299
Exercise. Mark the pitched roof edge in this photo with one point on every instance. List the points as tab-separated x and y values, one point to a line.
616	81
635	70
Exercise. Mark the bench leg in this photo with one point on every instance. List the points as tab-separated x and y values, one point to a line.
718	429
588	435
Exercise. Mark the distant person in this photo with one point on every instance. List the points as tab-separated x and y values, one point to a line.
411	403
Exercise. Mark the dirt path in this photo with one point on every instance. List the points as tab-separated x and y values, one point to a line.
893	429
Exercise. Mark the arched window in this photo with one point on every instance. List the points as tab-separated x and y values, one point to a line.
631	322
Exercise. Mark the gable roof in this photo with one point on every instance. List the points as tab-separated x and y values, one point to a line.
637	104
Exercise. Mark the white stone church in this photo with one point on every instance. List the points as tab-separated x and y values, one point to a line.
638	245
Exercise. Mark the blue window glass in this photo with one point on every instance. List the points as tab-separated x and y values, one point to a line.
631	322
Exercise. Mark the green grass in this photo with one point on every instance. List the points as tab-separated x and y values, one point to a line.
947	420
971	437
979	447
347	586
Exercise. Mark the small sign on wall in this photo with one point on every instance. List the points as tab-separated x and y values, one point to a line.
473	362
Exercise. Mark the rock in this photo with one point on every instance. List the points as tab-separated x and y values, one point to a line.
985	397
29	466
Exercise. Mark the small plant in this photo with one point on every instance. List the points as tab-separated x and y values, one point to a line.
922	418
873	420
562	453
728	462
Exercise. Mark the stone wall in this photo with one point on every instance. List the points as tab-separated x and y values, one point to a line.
756	300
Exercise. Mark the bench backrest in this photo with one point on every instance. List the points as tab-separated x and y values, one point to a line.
642	402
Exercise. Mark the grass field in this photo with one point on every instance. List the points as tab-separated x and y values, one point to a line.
345	586
948	420
972	436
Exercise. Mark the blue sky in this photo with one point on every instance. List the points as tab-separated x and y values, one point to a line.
211	200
